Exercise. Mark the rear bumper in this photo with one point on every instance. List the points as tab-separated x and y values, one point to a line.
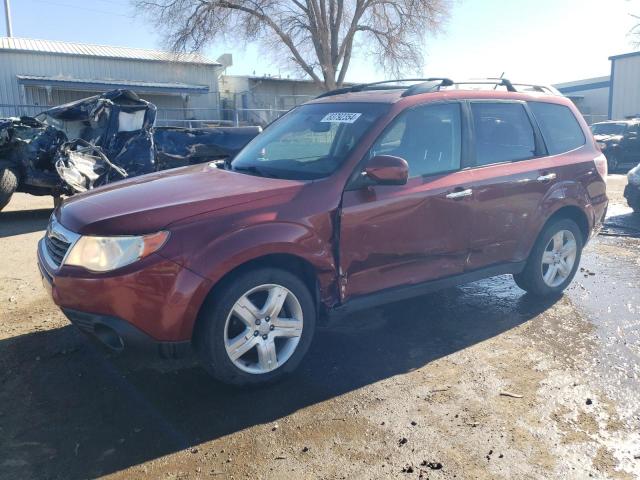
116	334
632	194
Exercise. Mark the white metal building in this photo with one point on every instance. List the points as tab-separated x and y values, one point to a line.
624	97
590	95
35	74
262	99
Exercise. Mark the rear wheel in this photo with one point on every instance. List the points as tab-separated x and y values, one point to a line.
612	163
8	184
634	203
554	259
257	328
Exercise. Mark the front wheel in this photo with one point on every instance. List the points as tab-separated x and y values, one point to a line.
8	184
256	328
554	259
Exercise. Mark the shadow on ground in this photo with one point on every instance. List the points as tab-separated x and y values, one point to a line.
82	414
621	221
23	221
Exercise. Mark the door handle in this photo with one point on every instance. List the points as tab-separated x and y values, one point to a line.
547	177
460	194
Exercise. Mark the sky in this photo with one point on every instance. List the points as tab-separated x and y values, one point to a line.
542	41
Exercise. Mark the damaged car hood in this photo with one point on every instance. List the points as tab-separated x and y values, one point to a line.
608	138
151	202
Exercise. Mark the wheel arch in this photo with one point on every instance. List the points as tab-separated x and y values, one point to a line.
294	264
574	213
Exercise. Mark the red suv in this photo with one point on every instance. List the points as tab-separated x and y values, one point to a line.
367	195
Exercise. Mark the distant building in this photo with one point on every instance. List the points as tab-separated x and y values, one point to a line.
624	97
36	74
262	99
590	95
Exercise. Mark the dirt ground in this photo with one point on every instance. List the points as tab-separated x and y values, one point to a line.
480	381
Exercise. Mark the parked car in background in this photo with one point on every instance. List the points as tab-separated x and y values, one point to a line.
632	190
97	140
367	195
620	142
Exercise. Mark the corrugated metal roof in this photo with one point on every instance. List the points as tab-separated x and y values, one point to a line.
101	84
624	55
106	51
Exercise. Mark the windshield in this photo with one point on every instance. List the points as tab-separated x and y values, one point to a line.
608	128
309	142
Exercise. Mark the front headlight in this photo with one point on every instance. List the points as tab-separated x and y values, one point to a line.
102	254
634	176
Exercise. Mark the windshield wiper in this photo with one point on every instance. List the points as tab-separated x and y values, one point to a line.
254	170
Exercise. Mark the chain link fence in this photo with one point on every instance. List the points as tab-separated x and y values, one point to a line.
178	117
593	118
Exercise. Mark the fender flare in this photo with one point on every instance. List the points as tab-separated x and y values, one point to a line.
561	195
225	253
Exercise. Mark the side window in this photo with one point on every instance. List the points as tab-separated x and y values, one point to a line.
560	129
427	137
503	133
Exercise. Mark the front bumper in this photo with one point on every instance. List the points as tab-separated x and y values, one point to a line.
151	305
116	334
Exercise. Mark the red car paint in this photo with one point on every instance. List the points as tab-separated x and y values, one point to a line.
388	236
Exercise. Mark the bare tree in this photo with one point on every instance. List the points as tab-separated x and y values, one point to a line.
635	31
316	36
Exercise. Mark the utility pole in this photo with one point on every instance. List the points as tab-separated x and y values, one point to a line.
7	16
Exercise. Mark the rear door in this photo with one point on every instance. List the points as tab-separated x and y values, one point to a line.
510	179
397	235
522	151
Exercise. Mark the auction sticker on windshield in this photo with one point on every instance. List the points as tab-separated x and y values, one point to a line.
341	117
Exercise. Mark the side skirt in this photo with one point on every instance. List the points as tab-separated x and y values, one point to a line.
395	294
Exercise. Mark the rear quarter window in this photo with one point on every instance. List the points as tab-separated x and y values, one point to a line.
560	129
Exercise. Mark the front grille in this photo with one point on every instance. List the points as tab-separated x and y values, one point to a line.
56	248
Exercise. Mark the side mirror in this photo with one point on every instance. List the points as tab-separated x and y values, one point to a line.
387	170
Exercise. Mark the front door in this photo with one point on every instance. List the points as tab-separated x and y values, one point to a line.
630	145
398	235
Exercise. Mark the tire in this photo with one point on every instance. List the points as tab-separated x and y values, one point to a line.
612	163
532	278
8	184
219	324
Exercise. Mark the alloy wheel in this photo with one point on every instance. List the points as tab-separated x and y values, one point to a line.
263	328
558	258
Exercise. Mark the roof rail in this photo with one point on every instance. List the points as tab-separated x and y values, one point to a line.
512	87
431	85
539	88
490	81
434	84
382	85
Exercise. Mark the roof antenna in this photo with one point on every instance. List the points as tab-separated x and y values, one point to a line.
496	85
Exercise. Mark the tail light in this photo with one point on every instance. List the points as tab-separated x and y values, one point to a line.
601	165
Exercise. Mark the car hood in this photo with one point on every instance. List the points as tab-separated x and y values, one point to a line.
608	138
149	203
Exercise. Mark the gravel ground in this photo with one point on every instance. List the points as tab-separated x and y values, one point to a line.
480	381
